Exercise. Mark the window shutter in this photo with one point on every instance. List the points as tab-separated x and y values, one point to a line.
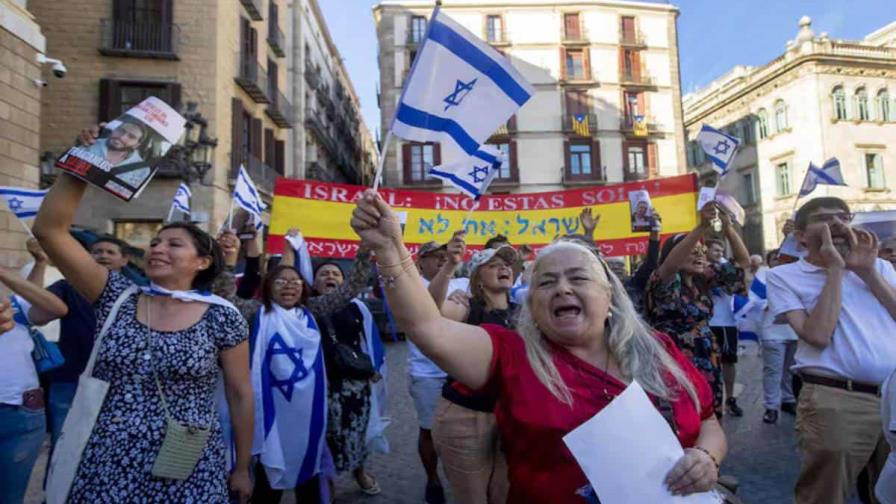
255	137
406	162
567	164
651	160
236	117
621	64
280	156
626	168
595	160
514	170
642	105
636	65
110	99
436	154
245	45
270	157
586	62
562	63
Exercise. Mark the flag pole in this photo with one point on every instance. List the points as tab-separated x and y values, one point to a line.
230	215
170	213
382	161
25	226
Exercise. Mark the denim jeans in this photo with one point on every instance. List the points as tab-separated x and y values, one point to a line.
59	401
21	434
777	358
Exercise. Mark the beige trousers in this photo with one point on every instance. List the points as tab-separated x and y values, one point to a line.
468	446
839	435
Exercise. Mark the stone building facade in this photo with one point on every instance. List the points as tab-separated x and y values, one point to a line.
610	64
21	41
821	98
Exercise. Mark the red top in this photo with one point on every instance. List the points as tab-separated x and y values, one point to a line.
532	422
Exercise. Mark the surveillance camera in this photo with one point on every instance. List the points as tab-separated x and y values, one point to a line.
39	82
59	70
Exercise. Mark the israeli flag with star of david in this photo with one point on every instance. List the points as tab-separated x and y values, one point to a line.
22	202
458	93
718	146
828	174
289	383
473	174
247	196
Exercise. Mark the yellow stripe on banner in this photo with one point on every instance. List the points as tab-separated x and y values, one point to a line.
330	220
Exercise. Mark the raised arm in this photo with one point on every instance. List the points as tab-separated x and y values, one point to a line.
681	252
741	254
358	278
225	283
642	275
45	306
438	286
466	354
589	222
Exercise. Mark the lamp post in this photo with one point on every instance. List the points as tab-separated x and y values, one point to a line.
192	158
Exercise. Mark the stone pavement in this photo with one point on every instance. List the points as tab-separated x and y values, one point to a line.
763	457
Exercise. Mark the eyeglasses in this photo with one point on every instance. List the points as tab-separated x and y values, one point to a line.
829	217
282	282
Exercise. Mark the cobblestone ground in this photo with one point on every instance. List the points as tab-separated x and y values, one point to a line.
764	458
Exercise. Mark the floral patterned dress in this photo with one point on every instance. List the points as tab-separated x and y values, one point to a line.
684	312
116	464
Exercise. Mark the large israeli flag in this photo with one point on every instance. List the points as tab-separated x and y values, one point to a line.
22	202
473	174
718	146
459	91
828	174
247	196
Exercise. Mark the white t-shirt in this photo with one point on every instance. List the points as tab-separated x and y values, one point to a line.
776	332
17	374
419	365
863	346
886	483
722	312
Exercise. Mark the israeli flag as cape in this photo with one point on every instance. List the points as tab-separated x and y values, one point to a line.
828	174
458	92
247	196
373	346
289	382
472	175
752	307
22	202
182	197
718	146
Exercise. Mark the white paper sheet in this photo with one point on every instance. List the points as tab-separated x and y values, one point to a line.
626	451
706	195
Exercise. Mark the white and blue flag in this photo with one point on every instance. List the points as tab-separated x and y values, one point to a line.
720	147
182	197
458	93
472	175
828	174
373	346
290	387
247	196
22	202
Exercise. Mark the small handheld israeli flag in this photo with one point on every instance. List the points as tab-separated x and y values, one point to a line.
472	175
247	196
22	202
459	91
828	174
181	201
718	146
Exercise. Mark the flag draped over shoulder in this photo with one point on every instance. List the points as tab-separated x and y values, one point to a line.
718	146
289	383
828	174
22	202
373	346
749	310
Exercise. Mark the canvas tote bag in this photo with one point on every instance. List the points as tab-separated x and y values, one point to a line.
81	417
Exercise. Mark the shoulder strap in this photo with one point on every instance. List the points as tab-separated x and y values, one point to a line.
106	325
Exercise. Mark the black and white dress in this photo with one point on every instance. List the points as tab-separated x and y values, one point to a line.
117	462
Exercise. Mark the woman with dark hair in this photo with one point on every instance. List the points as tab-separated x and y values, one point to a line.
161	354
678	300
288	321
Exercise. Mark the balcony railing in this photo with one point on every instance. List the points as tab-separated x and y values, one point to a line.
252	78
312	75
569	124
261	174
277	40
569	178
139	39
280	109
415	38
627	125
316	125
636	79
253	8
632	38
635	175
577	37
497	37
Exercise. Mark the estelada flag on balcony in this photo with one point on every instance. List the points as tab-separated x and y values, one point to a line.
580	125
322	212
124	158
458	92
639	126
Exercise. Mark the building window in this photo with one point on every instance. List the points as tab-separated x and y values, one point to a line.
839	97
749	188
762	123
494	28
628	30
747	128
575	65
508	171
418	158
632	106
579	159
874	168
636	158
117	96
883	105
782	179
418	29
781	123
571	27
864	113
582	160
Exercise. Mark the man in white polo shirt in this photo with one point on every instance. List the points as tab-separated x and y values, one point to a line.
841	301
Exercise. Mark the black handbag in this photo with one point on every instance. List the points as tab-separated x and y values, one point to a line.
348	362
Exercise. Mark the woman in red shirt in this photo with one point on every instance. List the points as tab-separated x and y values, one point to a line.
578	344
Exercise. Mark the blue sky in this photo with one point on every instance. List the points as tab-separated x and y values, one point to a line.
713	35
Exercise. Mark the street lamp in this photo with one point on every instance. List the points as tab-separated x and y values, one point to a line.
192	158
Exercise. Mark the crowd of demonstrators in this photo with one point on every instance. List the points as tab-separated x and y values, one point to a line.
678	299
161	352
577	341
779	343
840	300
